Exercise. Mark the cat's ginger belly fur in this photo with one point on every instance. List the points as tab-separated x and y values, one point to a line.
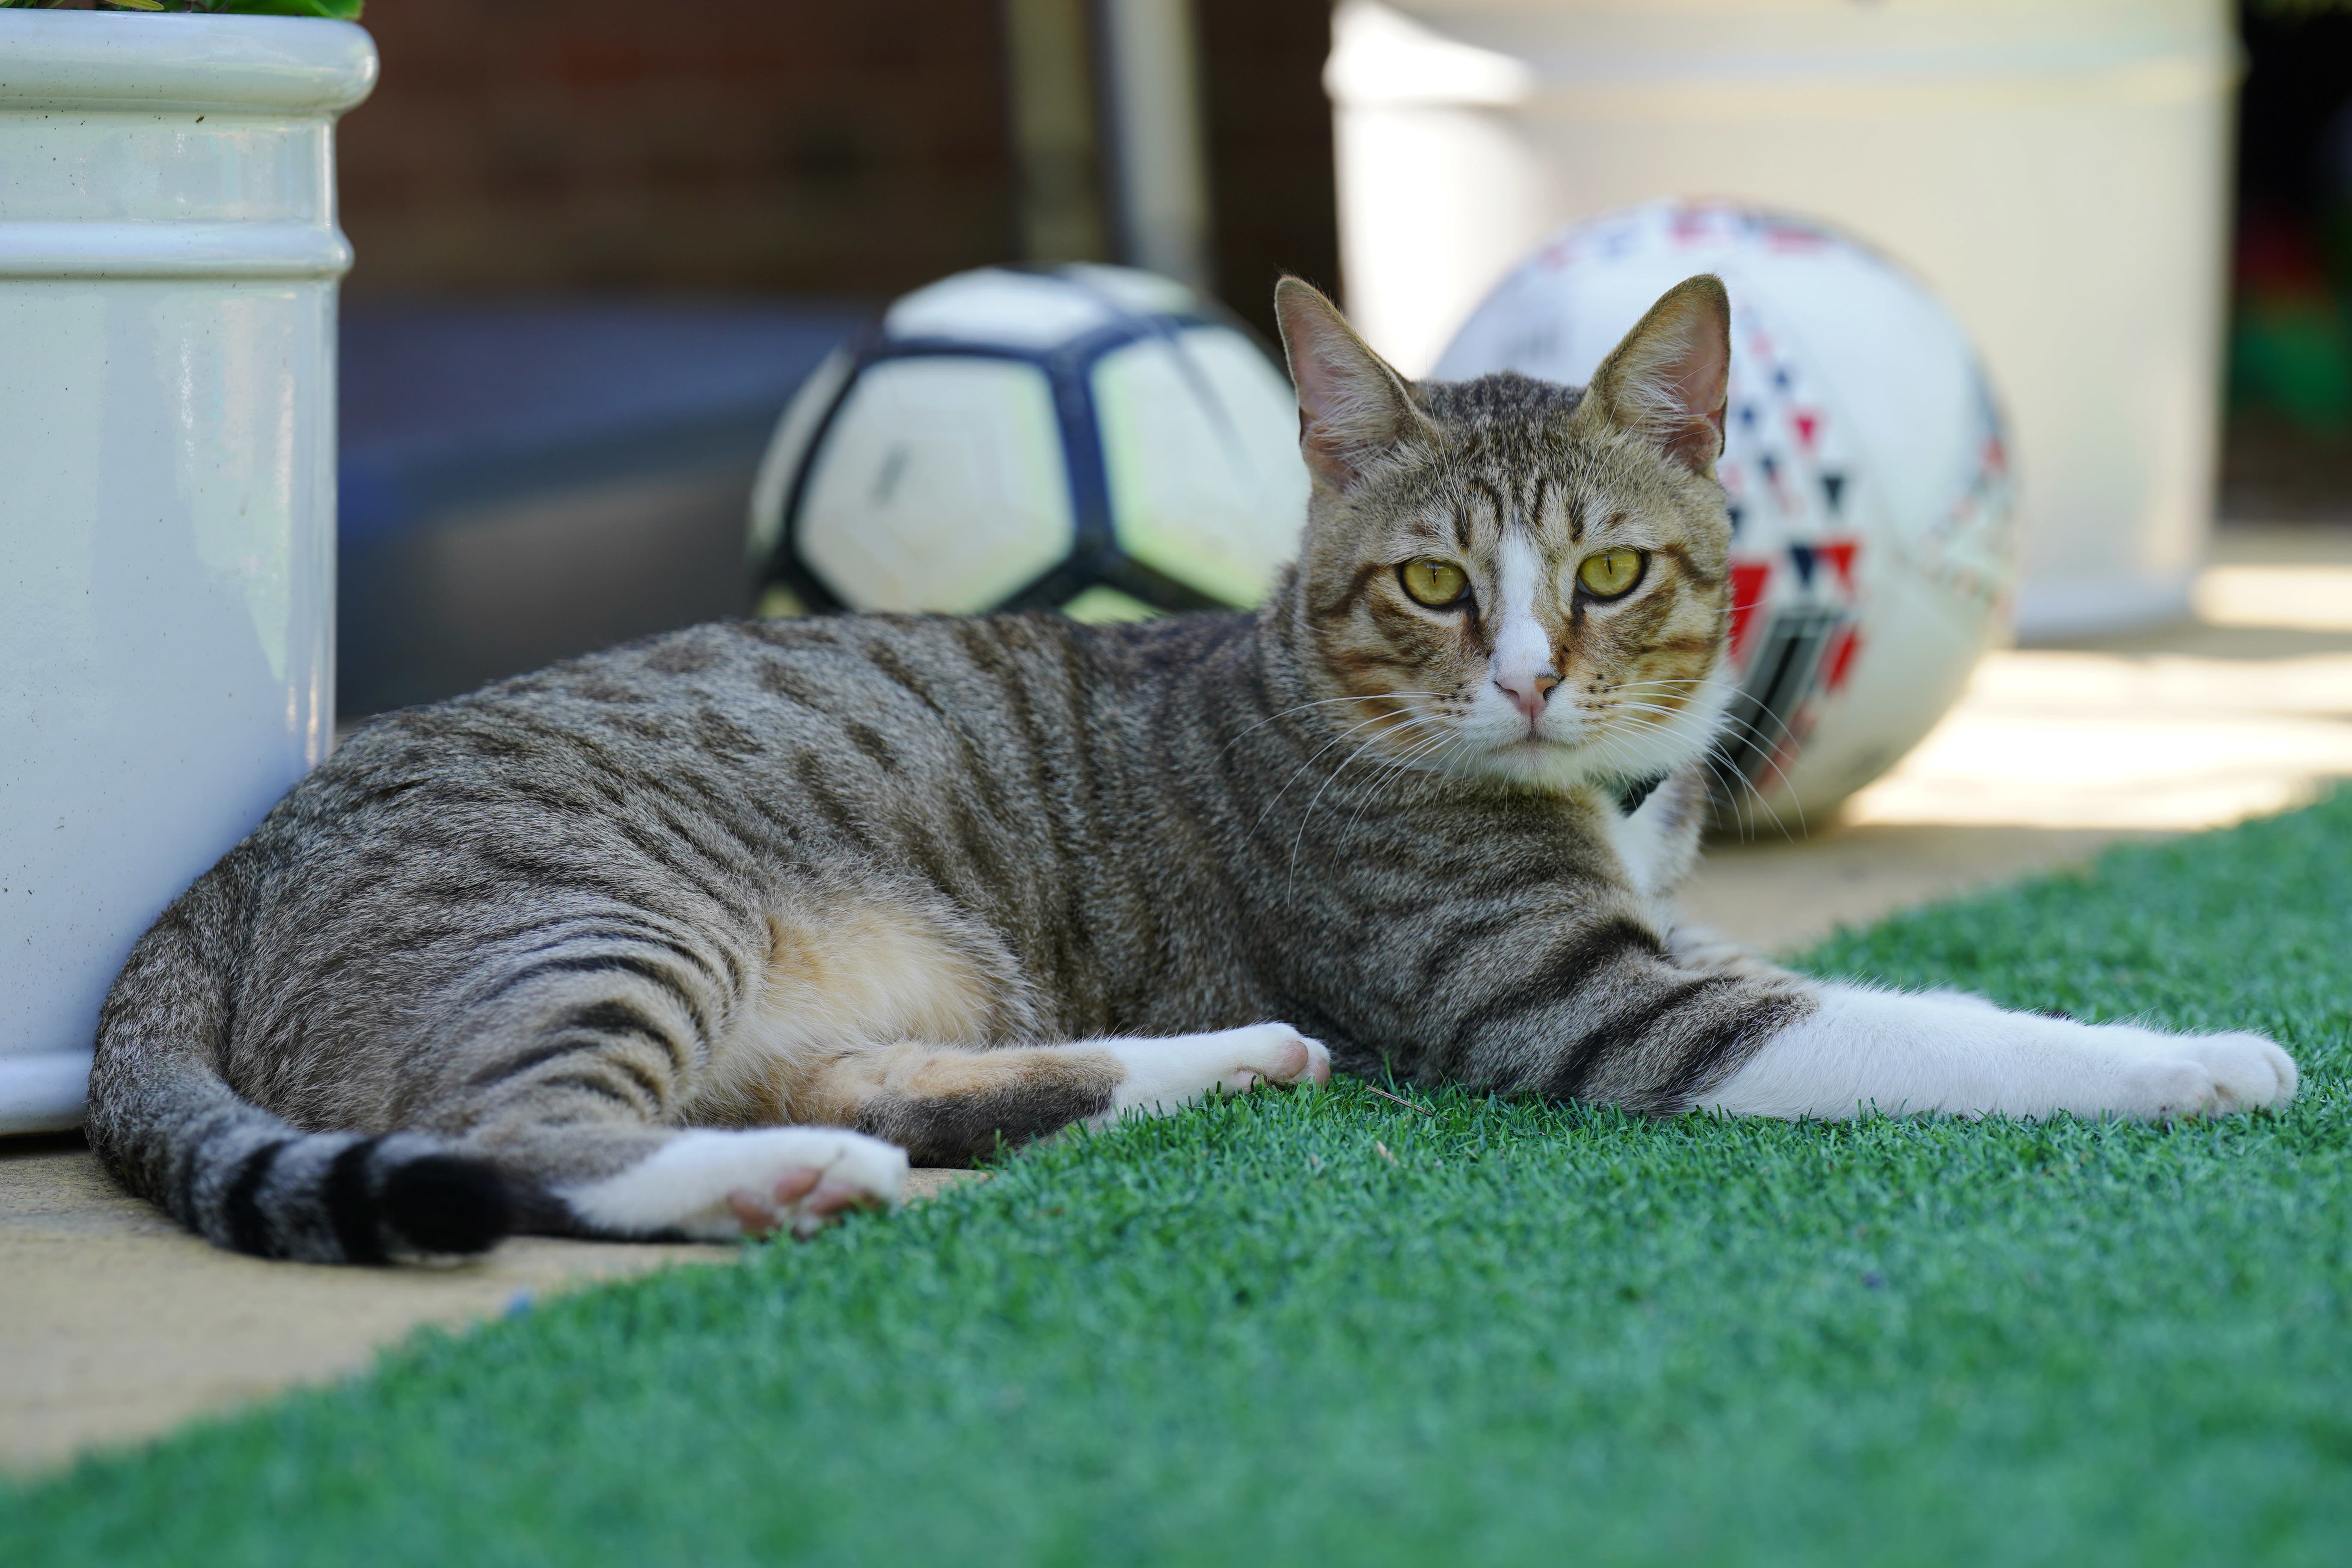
841	973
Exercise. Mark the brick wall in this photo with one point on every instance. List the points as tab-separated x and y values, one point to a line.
829	146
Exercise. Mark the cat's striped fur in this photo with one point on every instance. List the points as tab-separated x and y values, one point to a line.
696	935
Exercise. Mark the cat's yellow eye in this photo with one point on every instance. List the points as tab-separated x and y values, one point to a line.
1436	583
1611	574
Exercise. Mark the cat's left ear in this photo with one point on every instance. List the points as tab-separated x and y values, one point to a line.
1666	382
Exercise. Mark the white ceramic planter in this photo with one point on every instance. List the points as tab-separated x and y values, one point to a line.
168	265
2057	171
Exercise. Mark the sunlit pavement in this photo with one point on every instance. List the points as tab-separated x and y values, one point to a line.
2055	751
116	1325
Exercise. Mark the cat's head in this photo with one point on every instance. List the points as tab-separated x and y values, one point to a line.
1508	579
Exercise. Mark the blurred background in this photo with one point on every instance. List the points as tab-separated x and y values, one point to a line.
600	243
2288	452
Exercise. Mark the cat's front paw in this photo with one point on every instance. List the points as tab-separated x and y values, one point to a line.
1164	1074
2186	1076
1272	1053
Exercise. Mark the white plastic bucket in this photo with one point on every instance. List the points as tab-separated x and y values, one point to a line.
168	264
2056	172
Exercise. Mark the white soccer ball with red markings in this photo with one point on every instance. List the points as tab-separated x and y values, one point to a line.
1863	461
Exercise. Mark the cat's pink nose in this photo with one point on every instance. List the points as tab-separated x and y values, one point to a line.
1529	692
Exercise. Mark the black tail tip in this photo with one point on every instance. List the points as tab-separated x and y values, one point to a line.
448	1204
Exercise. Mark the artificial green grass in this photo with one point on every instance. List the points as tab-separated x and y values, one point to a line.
1331	1329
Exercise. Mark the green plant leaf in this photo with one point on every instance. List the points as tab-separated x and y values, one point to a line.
335	10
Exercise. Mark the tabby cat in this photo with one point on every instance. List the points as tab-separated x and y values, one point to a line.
706	935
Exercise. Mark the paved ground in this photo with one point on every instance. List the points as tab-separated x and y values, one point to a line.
115	1326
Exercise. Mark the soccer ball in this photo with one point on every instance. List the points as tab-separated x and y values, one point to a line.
1863	462
1090	439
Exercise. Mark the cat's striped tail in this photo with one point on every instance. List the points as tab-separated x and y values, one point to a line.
169	1126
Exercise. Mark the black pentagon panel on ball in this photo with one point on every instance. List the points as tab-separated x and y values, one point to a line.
1090	439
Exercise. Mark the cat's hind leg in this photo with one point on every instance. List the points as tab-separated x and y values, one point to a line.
601	1173
582	1096
949	1105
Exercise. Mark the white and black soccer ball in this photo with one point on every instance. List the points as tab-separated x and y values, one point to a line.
1094	439
1864	460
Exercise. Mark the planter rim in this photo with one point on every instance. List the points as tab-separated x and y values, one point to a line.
114	60
168	249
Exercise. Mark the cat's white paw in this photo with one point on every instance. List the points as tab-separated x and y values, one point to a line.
2207	1075
715	1185
1163	1075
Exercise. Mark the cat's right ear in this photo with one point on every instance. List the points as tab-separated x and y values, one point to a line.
1354	412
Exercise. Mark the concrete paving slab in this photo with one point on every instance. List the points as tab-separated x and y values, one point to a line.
115	1324
1779	896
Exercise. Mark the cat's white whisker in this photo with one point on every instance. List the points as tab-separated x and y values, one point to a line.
1768	746
1316	703
1395	769
1308	814
1315	755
